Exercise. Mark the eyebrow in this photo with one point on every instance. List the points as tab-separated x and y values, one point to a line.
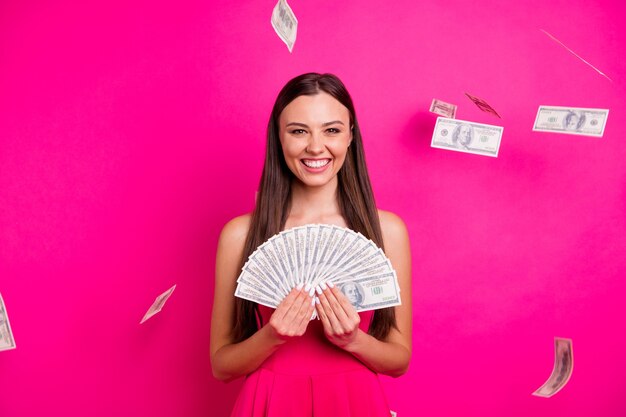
323	125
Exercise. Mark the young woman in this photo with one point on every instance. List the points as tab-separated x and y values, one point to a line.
314	172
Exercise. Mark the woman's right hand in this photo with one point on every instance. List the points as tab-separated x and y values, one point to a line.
292	315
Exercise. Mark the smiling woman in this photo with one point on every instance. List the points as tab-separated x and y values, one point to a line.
315	144
314	172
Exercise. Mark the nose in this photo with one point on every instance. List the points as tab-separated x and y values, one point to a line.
316	144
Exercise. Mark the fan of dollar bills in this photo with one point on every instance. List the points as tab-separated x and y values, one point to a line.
317	253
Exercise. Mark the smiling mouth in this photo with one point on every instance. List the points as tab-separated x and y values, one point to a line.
315	163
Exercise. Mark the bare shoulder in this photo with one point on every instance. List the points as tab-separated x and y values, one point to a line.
392	226
235	231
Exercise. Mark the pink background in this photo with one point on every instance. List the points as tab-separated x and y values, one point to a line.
130	132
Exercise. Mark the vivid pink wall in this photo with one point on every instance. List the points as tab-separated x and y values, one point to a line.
130	132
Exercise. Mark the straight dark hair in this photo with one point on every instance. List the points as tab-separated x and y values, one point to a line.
354	194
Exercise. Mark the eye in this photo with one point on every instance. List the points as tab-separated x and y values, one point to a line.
333	130
297	132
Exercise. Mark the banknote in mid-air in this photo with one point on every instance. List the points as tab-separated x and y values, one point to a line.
576	55
468	137
483	105
571	120
6	335
443	109
562	371
285	23
319	253
158	304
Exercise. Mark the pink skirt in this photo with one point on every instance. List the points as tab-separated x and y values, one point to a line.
354	393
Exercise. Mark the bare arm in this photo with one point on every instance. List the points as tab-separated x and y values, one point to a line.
341	321
231	360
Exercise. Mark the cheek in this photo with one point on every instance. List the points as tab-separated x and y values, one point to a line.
290	149
340	148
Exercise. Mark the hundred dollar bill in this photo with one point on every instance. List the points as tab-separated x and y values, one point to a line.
483	105
326	236
260	280
469	137
372	293
285	23
359	258
281	254
571	120
158	304
443	109
271	265
311	233
6	335
299	235
563	366
289	244
332	251
249	293
365	270
343	250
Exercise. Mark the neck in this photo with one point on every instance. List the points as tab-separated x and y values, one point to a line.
314	203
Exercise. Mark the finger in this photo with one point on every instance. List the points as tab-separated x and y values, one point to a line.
306	316
310	292
321	313
333	300
346	314
284	306
334	324
343	301
287	303
305	311
299	304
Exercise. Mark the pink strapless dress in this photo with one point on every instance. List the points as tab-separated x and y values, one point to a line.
310	377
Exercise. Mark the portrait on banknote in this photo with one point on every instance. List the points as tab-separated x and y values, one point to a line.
354	292
463	135
574	120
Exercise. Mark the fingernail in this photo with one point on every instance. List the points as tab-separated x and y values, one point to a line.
317	300
318	290
313	301
308	287
311	292
331	285
323	285
299	287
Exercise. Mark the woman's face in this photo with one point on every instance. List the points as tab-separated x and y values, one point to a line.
315	133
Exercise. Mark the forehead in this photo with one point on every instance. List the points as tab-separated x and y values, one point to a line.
317	109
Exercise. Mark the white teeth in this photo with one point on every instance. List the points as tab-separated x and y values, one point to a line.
316	164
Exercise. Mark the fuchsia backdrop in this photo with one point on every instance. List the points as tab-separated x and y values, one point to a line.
131	131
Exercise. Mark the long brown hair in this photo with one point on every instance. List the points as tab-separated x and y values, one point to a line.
354	194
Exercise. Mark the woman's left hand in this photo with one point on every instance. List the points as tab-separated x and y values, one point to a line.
339	317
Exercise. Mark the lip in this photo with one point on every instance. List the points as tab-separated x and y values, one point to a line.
316	170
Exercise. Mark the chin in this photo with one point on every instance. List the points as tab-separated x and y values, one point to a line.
318	182
315	183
